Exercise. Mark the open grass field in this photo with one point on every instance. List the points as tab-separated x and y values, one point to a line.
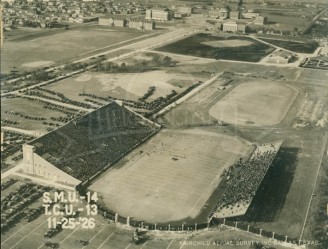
171	177
255	103
216	47
122	85
27	54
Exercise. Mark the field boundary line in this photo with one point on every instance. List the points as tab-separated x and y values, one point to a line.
324	143
95	236
105	241
168	246
14	234
143	244
27	234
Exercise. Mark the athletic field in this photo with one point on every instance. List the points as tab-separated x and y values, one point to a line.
171	177
255	103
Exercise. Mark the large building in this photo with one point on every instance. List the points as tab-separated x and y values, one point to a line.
234	27
230	27
114	20
260	20
185	10
86	146
159	14
140	23
235	15
222	13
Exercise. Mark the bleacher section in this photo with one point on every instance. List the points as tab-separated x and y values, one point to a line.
85	146
243	180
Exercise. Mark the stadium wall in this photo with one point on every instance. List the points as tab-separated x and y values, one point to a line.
34	164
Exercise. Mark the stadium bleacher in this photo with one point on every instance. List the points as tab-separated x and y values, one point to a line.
88	144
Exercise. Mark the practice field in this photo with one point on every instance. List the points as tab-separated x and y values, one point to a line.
237	48
27	54
171	177
255	104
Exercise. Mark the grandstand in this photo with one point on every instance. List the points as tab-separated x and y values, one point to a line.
86	146
243	180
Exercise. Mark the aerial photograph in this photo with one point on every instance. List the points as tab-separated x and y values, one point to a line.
164	124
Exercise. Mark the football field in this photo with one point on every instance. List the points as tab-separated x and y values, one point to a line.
171	177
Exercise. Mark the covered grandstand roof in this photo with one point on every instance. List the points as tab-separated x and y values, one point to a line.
88	144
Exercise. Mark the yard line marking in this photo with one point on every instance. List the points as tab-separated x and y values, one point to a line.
144	245
169	244
94	236
105	240
28	234
13	234
70	234
128	246
41	246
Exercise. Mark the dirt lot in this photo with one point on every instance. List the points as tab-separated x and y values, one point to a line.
164	181
255	103
122	85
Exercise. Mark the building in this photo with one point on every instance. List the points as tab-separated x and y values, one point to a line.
159	14
185	10
230	27
140	23
86	146
224	13
214	13
234	27
119	21
235	15
260	20
241	27
115	20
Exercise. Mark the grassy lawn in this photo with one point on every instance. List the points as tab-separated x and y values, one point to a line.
198	45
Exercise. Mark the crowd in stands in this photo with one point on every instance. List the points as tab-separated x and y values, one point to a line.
244	178
86	145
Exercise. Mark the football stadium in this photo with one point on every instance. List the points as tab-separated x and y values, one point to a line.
148	175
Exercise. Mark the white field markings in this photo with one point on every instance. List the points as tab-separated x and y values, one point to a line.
324	144
169	244
27	234
24	227
128	246
316	111
209	189
94	236
105	241
143	244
